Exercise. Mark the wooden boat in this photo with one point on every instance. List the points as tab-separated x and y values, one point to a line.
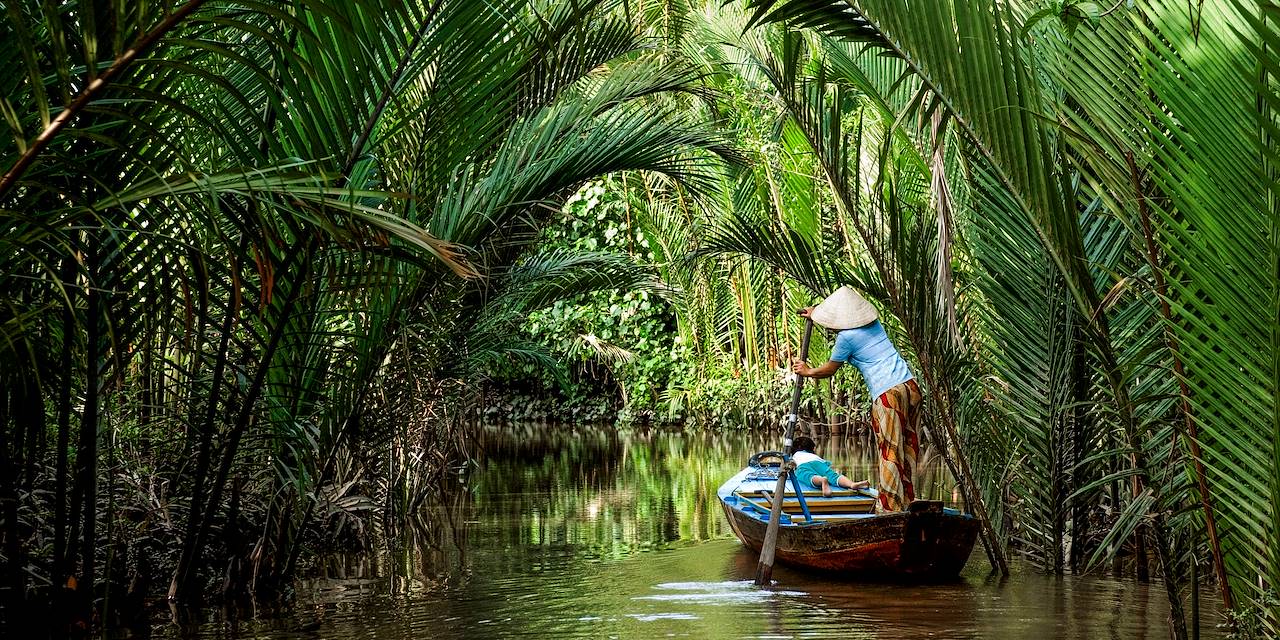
925	543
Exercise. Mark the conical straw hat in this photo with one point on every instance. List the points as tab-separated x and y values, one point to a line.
844	309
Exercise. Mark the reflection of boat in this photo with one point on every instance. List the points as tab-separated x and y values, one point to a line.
845	535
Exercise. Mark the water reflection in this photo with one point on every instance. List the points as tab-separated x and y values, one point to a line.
611	493
596	532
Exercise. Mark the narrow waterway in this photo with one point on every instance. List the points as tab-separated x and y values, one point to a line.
594	532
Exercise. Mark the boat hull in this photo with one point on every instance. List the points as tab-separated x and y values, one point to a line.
930	545
917	547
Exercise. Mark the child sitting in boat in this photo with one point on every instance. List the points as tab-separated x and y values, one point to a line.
811	468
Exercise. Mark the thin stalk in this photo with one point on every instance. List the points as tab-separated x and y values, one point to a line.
1142	569
1080	394
110	561
13	583
1124	406
147	396
1192	431
232	444
231	531
33	418
69	328
1177	617
203	456
87	452
1195	600
968	485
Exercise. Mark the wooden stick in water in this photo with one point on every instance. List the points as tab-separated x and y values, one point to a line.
764	570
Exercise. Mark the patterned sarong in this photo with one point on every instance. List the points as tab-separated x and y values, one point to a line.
895	417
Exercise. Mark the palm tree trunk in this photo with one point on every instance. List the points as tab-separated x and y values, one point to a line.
1081	384
12	586
300	258
204	452
58	562
87	451
1124	406
963	474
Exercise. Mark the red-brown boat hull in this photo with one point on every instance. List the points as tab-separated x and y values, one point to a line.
925	546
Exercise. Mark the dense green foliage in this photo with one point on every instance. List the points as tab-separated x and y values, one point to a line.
255	276
615	346
626	354
254	272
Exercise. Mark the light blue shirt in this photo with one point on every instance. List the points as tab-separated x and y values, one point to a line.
869	349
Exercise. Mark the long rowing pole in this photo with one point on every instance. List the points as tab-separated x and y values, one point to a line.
764	570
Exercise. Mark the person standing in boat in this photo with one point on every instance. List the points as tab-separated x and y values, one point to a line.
895	412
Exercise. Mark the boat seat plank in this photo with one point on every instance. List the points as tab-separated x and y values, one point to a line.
841	493
817	502
823	502
824	506
767	496
853	508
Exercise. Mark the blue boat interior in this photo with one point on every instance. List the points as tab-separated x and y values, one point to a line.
750	493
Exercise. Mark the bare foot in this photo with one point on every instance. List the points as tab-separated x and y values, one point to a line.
826	489
862	484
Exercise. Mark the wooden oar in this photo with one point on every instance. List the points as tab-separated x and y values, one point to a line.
764	570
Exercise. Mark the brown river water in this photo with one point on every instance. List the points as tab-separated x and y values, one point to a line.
595	532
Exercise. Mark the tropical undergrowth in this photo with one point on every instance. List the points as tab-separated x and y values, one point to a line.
251	273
